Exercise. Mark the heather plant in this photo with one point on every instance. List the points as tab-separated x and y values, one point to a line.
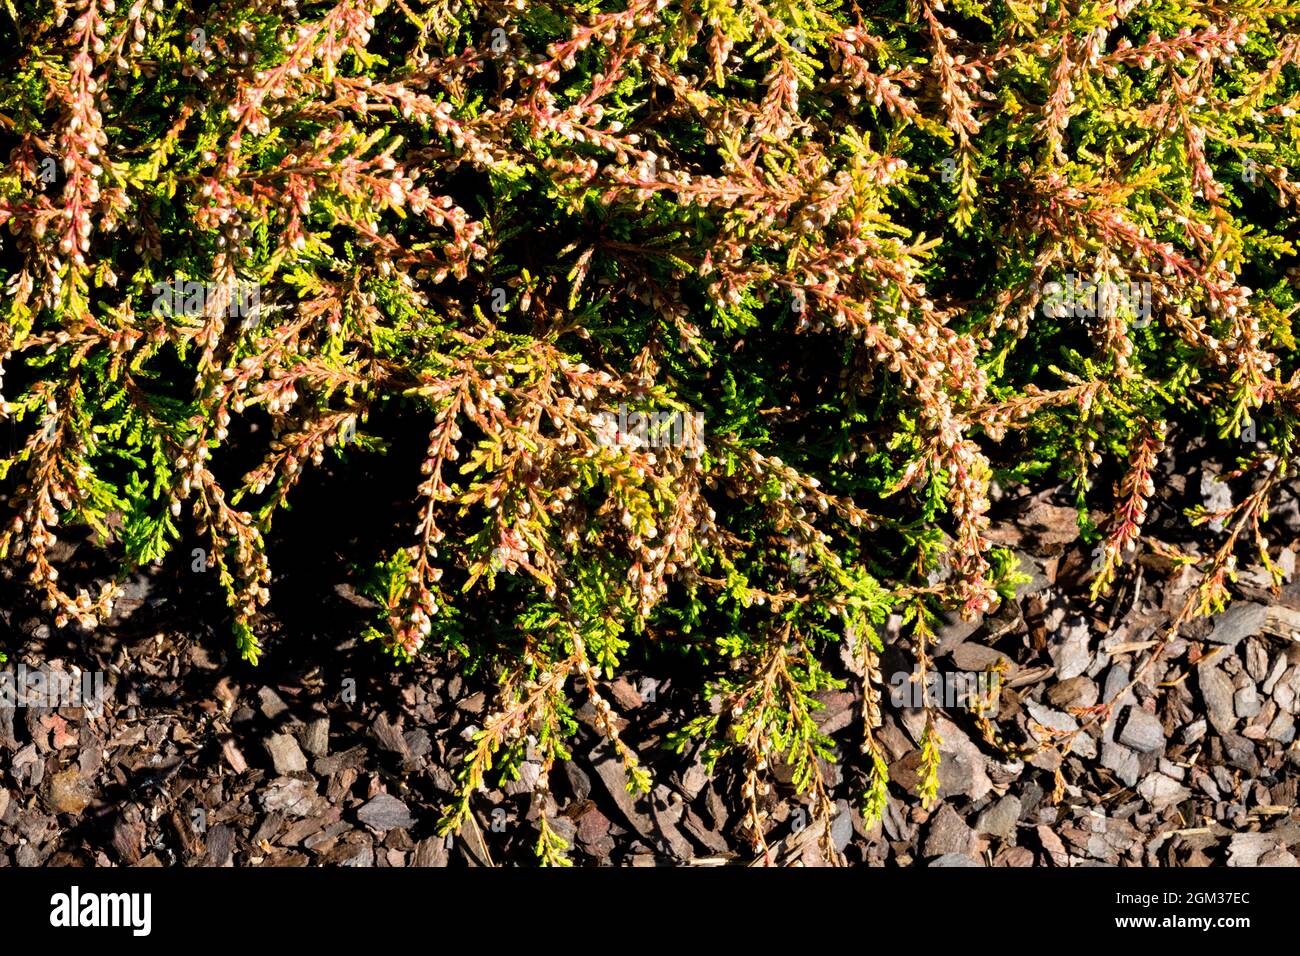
833	233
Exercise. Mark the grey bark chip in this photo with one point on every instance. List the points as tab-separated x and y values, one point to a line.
1140	731
385	812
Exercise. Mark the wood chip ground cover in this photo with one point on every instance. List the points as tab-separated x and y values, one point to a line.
326	756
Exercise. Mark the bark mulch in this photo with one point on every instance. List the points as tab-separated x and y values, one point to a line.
325	755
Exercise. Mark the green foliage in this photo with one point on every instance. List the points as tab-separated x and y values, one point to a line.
819	248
